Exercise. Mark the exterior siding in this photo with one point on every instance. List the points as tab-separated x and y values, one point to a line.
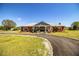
48	29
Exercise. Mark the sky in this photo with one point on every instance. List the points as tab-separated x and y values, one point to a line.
32	13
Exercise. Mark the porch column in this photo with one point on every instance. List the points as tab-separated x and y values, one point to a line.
33	29
51	29
39	28
45	29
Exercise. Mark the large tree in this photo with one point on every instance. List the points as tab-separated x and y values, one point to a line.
75	25
8	24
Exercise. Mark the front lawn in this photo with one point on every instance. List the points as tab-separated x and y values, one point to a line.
68	33
13	45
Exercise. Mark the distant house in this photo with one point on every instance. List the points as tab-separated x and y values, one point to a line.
42	27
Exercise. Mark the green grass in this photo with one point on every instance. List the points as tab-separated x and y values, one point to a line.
12	45
68	33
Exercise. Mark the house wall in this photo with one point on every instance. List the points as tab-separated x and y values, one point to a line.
26	28
58	28
48	29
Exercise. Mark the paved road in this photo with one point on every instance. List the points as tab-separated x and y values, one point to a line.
62	46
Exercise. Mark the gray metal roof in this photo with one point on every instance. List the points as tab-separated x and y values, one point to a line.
42	23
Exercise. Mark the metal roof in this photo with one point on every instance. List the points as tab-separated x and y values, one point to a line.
42	23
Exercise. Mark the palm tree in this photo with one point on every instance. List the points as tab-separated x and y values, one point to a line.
59	23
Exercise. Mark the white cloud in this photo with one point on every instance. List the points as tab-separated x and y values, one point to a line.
30	24
19	19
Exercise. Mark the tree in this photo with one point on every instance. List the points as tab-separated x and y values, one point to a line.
1	28
75	25
8	24
59	24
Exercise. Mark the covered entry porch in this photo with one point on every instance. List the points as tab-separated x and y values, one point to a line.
42	28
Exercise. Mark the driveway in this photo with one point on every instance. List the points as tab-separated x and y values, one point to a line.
61	46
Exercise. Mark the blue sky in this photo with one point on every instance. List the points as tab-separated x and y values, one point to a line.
30	13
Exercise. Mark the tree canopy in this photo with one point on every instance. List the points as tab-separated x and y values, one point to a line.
8	24
75	25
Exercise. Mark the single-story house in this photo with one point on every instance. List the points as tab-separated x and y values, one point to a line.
42	27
